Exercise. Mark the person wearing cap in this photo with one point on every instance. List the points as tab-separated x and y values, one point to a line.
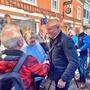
34	48
62	56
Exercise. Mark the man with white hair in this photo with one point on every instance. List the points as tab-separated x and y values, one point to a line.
62	55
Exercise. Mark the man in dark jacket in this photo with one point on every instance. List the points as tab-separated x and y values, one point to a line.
62	55
82	46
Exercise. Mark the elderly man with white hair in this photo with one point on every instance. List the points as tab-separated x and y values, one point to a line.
13	41
62	55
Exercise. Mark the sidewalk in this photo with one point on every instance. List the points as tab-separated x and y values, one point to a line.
74	87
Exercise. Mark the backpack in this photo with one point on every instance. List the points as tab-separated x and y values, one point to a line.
12	80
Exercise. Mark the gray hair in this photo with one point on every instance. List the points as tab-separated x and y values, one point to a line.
10	38
11	43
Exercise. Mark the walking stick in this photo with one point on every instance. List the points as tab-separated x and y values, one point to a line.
76	82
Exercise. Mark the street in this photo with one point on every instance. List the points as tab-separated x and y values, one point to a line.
73	85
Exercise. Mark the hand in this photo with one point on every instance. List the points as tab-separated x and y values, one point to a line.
61	83
78	53
46	61
78	50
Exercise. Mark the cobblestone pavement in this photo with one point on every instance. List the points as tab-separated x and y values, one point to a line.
73	85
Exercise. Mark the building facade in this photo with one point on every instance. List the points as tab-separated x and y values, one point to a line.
73	13
33	10
86	15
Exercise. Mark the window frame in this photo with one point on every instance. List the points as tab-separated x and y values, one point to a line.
53	9
29	2
79	11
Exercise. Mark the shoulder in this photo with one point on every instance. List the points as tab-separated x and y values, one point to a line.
39	45
87	38
67	41
65	38
84	35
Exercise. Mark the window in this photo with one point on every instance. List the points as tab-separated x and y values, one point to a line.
84	13
89	20
79	13
54	5
89	17
87	14
30	1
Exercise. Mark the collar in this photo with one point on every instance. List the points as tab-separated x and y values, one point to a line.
13	52
56	35
81	34
55	39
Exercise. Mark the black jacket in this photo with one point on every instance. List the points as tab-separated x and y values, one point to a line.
63	58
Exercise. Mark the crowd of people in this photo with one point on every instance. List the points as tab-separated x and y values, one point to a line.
82	48
46	67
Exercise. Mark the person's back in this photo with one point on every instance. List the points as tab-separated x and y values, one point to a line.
86	41
13	43
8	63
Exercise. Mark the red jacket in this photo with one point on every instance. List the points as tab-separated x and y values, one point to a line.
31	65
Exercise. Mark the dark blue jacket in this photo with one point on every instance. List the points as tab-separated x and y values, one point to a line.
63	58
86	45
81	43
